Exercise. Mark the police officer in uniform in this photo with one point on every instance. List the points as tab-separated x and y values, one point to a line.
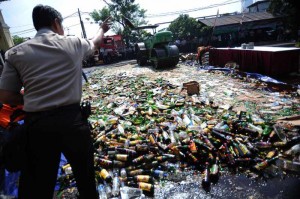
49	68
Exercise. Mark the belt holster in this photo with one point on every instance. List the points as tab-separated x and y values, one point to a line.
85	109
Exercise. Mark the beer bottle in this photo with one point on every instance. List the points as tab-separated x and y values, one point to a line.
158	173
162	158
145	148
234	151
118	164
169	156
143	158
101	192
135	142
138	172
166	137
121	157
116	185
202	145
104	163
247	161
183	148
214	170
150	165
152	139
175	150
267	130
271	154
206	177
192	157
263	145
108	189
242	116
219	135
123	173
193	147
104	174
141	178
244	149
229	156
172	137
147	187
130	152
250	132
207	142
264	164
67	169
271	135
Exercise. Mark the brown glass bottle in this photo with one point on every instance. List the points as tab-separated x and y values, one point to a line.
206	177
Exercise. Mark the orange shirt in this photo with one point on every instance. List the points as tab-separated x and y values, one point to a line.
7	111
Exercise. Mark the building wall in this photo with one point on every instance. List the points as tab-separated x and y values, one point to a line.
245	4
261	7
6	41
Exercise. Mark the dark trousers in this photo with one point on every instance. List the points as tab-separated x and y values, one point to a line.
49	134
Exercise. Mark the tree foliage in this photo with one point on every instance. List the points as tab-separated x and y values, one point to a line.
118	8
185	26
100	15
17	40
288	8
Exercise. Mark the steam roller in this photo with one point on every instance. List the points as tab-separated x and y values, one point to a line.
157	50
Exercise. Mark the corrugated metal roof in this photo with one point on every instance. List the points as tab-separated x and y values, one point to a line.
235	19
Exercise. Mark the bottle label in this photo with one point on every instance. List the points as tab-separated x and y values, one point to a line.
152	140
160	158
214	169
122	157
104	174
136	172
145	186
135	142
261	165
244	149
118	164
193	147
105	163
142	147
142	178
271	154
193	157
138	159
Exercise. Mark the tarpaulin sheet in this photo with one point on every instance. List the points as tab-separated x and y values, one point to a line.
258	76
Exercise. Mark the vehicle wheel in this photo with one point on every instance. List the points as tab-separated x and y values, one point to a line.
141	62
108	59
155	64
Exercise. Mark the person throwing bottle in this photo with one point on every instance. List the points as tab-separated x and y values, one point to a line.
49	67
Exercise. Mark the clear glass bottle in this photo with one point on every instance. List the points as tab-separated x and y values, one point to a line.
116	185
101	191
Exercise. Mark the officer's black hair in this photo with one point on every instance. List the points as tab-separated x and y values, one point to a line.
44	16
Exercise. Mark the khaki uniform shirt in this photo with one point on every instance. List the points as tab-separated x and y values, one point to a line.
49	66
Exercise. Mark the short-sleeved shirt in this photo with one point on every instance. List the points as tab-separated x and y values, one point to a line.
49	67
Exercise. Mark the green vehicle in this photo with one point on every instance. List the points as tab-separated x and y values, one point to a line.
156	49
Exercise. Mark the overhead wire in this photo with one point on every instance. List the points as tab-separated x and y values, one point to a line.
75	14
21	32
193	9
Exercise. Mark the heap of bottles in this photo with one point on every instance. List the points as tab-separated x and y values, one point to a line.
142	129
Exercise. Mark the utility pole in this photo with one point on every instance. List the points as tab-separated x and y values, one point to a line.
82	25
